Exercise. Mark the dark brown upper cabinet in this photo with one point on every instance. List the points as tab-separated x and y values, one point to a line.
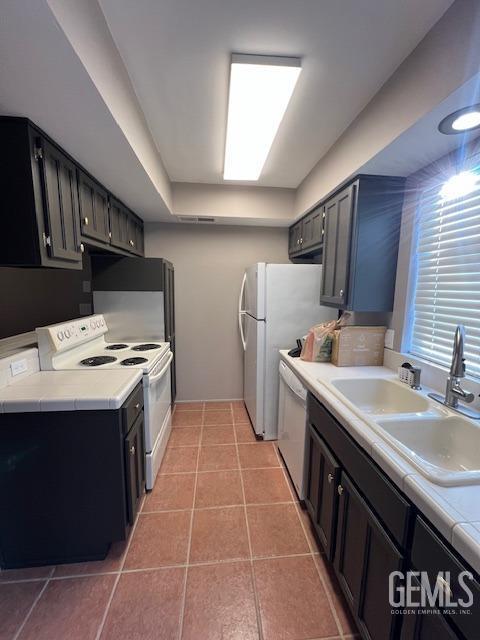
306	235
93	203
39	199
126	228
52	207
362	229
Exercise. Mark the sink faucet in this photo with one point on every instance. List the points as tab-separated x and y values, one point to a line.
454	391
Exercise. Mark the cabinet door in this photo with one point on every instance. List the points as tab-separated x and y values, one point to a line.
135	234
337	241
119	224
321	498
139	238
427	626
60	196
295	236
134	467
93	200
364	559
312	230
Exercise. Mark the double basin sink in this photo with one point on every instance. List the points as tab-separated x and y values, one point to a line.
444	447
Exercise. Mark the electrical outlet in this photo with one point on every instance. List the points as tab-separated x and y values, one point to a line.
389	336
18	367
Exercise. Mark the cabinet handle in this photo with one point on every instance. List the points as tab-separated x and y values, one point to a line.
298	241
137	406
85	221
341	293
330	478
340	489
444	586
301	240
82	247
132	244
110	235
132	450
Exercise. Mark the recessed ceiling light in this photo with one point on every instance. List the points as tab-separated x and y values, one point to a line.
260	90
462	120
459	185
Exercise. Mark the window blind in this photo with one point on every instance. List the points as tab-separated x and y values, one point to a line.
447	284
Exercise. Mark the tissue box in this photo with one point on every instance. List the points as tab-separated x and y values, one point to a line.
358	346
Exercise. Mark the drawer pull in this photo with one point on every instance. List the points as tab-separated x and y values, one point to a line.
132	450
340	489
444	586
330	478
137	406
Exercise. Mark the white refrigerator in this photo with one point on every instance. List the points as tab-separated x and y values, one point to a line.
278	303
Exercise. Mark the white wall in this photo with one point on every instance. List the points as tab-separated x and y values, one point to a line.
209	265
263	206
445	59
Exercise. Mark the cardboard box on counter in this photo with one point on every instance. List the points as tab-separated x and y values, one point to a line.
358	346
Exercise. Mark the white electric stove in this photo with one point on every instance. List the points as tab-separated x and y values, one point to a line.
82	344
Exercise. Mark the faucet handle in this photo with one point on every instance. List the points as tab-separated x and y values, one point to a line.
416	373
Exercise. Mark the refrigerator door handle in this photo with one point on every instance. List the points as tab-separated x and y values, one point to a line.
241	312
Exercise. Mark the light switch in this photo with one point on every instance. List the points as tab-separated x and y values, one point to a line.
18	367
389	337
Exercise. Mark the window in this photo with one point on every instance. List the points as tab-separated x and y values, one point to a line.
447	275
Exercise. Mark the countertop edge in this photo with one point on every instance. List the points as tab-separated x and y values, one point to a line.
444	516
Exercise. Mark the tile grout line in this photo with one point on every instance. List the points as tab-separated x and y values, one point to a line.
312	554
122	564
34	604
189	547
222	506
322	579
252	571
180	473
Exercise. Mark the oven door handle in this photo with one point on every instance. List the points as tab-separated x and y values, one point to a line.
157	376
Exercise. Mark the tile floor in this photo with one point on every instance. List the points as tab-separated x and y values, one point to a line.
220	550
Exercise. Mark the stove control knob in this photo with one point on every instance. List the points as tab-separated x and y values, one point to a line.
67	333
92	324
98	324
60	335
102	322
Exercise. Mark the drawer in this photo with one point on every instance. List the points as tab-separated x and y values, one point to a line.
432	554
132	406
392	509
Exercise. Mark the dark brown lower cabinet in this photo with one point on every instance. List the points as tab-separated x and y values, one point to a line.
369	529
321	498
135	467
364	559
428	626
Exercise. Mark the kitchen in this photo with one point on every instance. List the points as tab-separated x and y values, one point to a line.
187	190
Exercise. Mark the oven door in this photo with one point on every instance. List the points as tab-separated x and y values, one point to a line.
157	399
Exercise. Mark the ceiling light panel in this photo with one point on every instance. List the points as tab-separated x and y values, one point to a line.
462	120
260	90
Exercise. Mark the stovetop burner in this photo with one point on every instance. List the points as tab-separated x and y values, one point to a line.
114	347
146	347
130	361
96	361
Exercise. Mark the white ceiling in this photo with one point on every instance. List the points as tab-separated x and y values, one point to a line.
176	53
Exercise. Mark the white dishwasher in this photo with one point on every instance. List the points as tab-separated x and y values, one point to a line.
292	418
